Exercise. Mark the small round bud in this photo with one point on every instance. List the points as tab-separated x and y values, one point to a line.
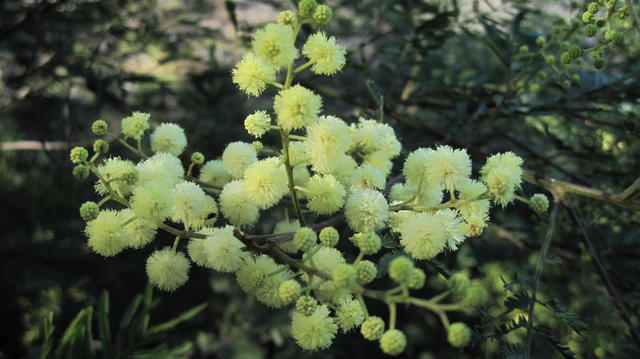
197	158
344	275
599	63
524	49
566	84
601	22
99	128
459	335
539	203
565	58
575	51
78	154
322	15
617	38
458	284
587	17
591	30
393	342
534	88
135	125
400	269
593	7
89	211
372	328
329	237
286	17
306	8
575	78
289	290
540	41
257	145
564	46
550	59
476	295
81	172
130	177
101	146
306	305
366	272
369	243
304	239
416	281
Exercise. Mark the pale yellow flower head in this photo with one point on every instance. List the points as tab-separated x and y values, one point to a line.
296	107
274	43
257	124
366	211
325	194
422	235
237	156
252	74
237	206
327	56
222	250
169	138
266	182
315	331
214	173
327	140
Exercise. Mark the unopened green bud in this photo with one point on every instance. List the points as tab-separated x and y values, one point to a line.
78	154
476	295
540	41
539	203
101	146
591	30
366	272
257	145
369	243
416	281
329	237
587	17
99	128
565	58
306	8
458	284
89	211
393	342
575	51
306	305
289	290
197	158
459	335
566	84
550	59
534	88
372	328
599	63
524	49
593	7
322	15
401	269
344	275
304	239
575	78
287	17
81	172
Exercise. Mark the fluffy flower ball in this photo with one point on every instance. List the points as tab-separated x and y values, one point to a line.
252	74
168	270
274	43
214	173
152	202
135	125
106	235
422	235
237	206
327	140
315	331
443	167
257	124
325	54
350	315
222	250
121	174
170	138
140	232
162	168
325	194
237	156
266	182
189	205
296	107
366	211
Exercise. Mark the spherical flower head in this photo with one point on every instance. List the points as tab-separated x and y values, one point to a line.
162	168
266	182
296	107
306	305
99	128
289	290
459	335
313	332
89	211
78	154
476	295
195	249
366	210
344	275
135	125
152	202
469	207
214	173
326	55
350	315
197	158
252	74
452	225
169	138
274	44
393	342
400	269
379	159
539	203
237	156
327	141
257	124
447	167
81	172
189	204
167	270
101	146
286	17
367	176
222	250
329	237
423	236
342	168
415	170
257	276
372	328
140	232
106	235
325	194
326	259
369	243
366	272
322	15
306	8
237	206
297	154
416	281
458	284
120	174
474	225
372	136
305	238
502	173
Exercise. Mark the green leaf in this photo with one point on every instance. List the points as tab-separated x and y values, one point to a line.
76	340
130	312
162	351
104	326
47	329
177	320
519	300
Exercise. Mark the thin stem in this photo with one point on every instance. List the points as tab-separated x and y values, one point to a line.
303	66
175	243
392	315
132	149
289	170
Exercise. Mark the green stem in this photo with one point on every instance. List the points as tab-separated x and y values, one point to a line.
132	149
289	170
175	243
303	66
392	315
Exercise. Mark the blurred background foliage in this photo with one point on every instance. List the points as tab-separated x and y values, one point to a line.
440	72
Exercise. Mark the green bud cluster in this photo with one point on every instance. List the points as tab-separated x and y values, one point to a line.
393	342
99	128
459	335
304	239
369	243
289	290
101	146
78	155
372	328
366	272
539	203
89	211
329	237
81	172
306	305
401	269
197	158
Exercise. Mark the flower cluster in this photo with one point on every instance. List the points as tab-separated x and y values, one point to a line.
325	167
